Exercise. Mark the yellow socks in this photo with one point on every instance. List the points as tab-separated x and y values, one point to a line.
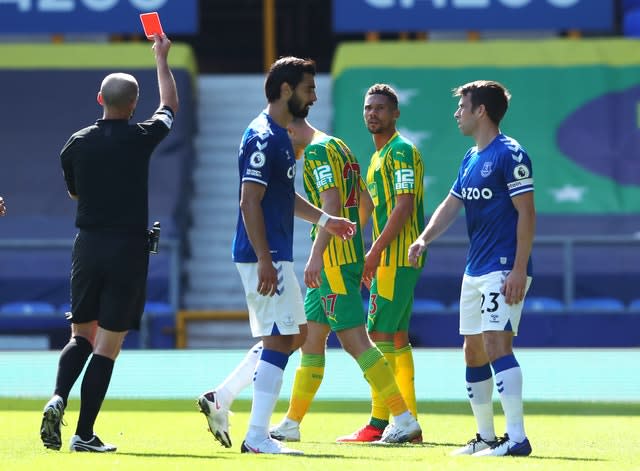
305	385
386	396
405	378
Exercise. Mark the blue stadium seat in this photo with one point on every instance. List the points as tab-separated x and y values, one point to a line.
30	308
543	304
158	307
428	305
628	5
597	304
631	23
634	306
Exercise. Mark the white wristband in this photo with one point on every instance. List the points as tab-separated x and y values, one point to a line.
322	221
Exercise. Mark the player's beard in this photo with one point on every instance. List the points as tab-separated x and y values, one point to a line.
377	128
296	108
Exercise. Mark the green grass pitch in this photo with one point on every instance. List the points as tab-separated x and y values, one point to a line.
172	435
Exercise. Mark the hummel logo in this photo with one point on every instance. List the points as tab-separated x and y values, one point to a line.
511	147
518	158
261	146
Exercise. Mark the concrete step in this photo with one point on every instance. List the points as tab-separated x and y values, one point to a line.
209	300
203	189
214	142
213	204
226	106
207	269
215	255
208	207
212	222
224	182
223	238
224	283
210	171
220	334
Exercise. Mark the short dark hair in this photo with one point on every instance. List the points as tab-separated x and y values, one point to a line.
286	70
493	95
386	90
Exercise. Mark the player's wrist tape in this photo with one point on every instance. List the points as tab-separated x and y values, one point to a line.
322	221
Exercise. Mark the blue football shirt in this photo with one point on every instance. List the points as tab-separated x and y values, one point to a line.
486	182
266	157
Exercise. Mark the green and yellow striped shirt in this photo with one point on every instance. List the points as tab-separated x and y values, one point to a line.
329	163
394	170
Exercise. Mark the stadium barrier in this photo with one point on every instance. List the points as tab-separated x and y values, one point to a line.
36	330
570	326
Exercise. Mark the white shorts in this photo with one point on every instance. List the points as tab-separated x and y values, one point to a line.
280	314
483	308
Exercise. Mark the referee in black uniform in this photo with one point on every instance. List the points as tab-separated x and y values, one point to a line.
106	169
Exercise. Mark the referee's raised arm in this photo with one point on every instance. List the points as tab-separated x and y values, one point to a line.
166	82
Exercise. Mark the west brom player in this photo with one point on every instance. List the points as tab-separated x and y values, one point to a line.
495	186
395	183
263	249
333	275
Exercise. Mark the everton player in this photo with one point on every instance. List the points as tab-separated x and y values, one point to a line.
263	249
495	186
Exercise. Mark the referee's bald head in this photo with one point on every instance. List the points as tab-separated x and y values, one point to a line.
119	91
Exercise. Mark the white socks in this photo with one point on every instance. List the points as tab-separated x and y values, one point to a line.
480	398
509	385
266	390
240	378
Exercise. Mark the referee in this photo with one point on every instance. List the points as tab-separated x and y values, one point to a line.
106	169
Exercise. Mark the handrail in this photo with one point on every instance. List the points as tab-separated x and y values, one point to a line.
568	243
171	245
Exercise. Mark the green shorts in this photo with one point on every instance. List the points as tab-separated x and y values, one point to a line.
391	300
337	302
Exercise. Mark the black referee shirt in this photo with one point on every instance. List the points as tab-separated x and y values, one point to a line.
107	166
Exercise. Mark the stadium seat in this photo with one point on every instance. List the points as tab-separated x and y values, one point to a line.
428	305
629	5
158	307
631	23
597	304
31	308
543	304
634	306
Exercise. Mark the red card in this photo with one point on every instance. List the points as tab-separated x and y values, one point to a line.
151	24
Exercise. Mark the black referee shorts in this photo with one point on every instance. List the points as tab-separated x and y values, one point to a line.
109	279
